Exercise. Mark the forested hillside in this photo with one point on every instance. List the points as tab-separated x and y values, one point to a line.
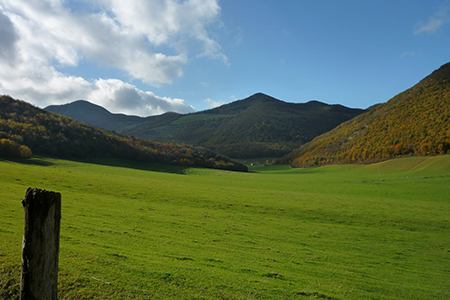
258	126
25	129
415	122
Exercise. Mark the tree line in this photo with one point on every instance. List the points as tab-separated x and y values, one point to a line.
26	129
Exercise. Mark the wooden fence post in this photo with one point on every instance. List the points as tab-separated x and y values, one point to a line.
40	248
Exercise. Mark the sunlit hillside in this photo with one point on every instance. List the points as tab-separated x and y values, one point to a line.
415	122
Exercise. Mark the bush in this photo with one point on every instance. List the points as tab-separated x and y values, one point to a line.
12	149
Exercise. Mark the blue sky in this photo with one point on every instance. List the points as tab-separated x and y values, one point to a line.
147	57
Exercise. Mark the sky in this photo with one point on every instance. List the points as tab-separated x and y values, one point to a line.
147	57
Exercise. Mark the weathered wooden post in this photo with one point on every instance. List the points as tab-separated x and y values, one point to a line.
40	248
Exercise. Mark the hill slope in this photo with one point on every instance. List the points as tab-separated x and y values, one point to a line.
257	126
95	115
415	122
25	129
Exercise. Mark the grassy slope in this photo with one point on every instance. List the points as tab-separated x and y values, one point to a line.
341	232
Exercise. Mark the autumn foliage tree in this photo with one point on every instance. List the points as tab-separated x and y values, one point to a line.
25	129
12	149
415	122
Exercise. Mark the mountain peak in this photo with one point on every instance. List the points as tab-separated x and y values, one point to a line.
93	114
78	106
441	74
47	133
257	126
261	97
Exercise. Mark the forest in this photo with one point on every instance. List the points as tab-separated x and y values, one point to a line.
27	130
415	122
258	126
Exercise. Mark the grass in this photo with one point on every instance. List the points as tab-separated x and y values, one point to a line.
341	232
198	117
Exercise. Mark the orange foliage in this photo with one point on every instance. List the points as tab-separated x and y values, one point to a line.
415	122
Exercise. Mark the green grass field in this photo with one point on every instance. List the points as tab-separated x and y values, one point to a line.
342	232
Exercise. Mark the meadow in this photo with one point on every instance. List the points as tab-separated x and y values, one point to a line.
140	231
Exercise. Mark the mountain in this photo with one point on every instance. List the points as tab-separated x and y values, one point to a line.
257	126
25	129
95	115
415	122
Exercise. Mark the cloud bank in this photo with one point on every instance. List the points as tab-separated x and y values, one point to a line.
147	40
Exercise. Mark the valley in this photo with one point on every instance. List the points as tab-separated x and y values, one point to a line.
224	150
161	220
255	127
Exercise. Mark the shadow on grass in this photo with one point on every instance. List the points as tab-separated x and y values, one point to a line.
35	160
155	167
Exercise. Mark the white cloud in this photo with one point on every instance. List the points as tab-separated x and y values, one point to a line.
429	27
41	36
119	96
51	87
213	104
165	22
435	22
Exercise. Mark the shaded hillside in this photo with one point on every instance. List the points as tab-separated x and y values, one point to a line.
25	129
95	115
257	126
415	122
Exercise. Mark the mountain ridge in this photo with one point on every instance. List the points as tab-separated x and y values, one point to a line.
26	129
93	114
257	126
414	122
